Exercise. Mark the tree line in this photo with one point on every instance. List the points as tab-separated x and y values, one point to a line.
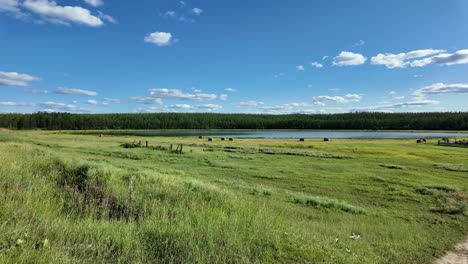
365	120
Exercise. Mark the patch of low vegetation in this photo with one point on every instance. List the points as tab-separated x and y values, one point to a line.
448	199
259	190
291	152
84	191
452	167
391	166
131	145
441	187
325	202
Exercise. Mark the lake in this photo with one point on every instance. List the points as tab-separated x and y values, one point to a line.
293	134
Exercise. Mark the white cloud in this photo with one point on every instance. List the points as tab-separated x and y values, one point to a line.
159	38
35	91
9	6
52	12
418	76
347	58
197	11
323	99
170	13
316	64
210	107
251	103
223	97
61	107
108	101
94	3
401	60
232	90
390	107
92	102
181	106
392	93
459	57
324	57
16	79
71	91
15	104
359	43
107	17
147	100
165	93
300	68
441	88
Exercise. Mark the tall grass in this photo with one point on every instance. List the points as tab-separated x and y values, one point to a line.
325	202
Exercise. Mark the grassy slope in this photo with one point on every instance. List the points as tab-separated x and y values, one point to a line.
228	201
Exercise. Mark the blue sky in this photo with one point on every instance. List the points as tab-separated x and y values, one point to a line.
301	56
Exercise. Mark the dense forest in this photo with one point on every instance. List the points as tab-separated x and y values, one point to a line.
371	121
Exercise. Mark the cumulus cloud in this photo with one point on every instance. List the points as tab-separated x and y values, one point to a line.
230	90
94	3
107	17
447	59
316	64
402	60
50	11
108	101
165	93
223	97
159	38
156	96
347	58
441	88
210	107
92	102
16	79
323	99
147	100
61	107
202	107
72	91
197	11
300	68
180	106
251	103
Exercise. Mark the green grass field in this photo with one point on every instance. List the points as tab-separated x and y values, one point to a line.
68	198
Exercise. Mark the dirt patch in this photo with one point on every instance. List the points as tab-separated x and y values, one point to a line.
458	256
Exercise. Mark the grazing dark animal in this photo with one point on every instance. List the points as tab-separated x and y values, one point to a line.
326	139
231	139
423	139
210	139
418	141
223	139
200	137
301	139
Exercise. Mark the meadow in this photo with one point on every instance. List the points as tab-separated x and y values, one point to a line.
68	198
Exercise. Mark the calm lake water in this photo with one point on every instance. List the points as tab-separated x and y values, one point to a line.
292	134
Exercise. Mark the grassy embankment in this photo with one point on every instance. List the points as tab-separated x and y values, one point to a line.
83	198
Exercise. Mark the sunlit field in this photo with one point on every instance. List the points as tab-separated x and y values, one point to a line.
89	199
